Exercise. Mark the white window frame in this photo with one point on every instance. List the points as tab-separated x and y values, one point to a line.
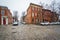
33	8
2	12
32	14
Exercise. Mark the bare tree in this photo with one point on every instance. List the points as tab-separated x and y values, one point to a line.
41	3
15	15
44	5
22	17
53	3
58	8
23	13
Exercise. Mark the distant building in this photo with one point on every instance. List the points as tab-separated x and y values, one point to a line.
55	17
5	16
36	14
49	16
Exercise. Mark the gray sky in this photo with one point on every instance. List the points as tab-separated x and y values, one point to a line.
21	5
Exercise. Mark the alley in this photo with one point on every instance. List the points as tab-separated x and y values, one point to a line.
30	32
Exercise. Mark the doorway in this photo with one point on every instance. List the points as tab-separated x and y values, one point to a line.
4	20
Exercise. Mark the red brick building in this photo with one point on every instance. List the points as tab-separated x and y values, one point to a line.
46	15
55	17
5	15
36	14
33	14
49	16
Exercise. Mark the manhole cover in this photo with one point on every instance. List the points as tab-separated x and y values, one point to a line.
14	32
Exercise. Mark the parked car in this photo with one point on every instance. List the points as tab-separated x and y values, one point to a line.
44	23
15	23
23	22
55	23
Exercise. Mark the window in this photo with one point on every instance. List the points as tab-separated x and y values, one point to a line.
38	9
32	14
3	7
2	12
36	20
35	14
33	8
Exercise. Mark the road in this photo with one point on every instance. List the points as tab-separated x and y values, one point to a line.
30	32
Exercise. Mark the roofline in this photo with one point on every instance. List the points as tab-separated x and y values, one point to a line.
3	6
46	9
35	4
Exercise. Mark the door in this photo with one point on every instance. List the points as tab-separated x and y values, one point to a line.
4	21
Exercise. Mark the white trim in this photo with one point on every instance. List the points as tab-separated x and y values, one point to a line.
6	21
2	20
5	18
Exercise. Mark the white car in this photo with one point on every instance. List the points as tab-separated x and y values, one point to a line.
23	22
55	23
44	23
15	23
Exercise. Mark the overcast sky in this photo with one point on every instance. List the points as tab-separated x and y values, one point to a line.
21	5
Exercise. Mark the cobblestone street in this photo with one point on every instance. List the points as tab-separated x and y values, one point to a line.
30	32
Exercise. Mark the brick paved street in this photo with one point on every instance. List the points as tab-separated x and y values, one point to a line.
30	32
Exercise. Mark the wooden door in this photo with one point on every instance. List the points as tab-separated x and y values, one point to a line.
4	21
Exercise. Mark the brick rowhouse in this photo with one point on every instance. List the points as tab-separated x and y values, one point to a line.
36	14
5	16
